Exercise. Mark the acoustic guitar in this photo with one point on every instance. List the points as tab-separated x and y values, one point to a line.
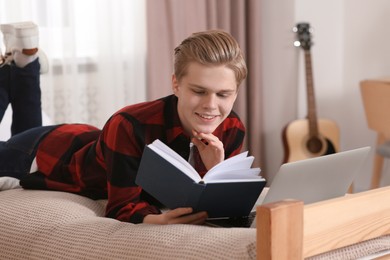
309	137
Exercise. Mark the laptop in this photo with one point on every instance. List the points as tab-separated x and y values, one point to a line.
310	180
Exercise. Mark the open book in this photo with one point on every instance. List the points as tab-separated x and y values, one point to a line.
229	189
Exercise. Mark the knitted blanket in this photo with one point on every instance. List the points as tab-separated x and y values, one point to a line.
57	225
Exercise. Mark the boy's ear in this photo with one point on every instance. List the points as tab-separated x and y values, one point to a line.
175	84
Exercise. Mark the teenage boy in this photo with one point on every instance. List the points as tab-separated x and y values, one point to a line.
208	69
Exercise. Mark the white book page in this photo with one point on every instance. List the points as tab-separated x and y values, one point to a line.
237	180
237	162
235	175
244	163
175	159
236	168
232	160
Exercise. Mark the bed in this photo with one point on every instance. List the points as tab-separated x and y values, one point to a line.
350	227
38	224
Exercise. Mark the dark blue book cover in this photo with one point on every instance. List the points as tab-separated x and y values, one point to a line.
173	188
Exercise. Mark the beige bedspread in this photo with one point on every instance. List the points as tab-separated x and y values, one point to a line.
58	225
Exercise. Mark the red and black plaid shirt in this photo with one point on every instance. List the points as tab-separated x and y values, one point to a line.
97	163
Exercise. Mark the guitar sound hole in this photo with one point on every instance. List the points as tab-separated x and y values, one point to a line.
314	145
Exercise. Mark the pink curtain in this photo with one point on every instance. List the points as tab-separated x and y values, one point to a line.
170	21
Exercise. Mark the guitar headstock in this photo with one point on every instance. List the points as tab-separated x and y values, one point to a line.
303	32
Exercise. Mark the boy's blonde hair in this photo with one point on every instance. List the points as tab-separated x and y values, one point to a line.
213	47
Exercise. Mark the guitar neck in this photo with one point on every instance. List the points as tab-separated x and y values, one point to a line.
311	106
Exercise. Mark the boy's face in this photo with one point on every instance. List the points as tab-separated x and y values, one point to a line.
206	95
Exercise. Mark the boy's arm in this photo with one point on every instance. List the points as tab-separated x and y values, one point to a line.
122	154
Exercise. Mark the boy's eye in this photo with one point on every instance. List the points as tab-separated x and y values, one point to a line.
223	95
199	92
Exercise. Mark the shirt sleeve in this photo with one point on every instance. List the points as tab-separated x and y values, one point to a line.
122	146
233	136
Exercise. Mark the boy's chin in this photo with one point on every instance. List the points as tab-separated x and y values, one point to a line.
205	130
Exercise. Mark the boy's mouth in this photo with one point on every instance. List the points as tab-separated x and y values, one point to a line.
205	116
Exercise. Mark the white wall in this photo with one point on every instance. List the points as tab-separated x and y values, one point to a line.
279	77
351	43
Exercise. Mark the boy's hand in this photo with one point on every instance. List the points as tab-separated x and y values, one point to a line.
210	148
177	216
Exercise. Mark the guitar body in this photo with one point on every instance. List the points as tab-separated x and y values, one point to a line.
298	144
